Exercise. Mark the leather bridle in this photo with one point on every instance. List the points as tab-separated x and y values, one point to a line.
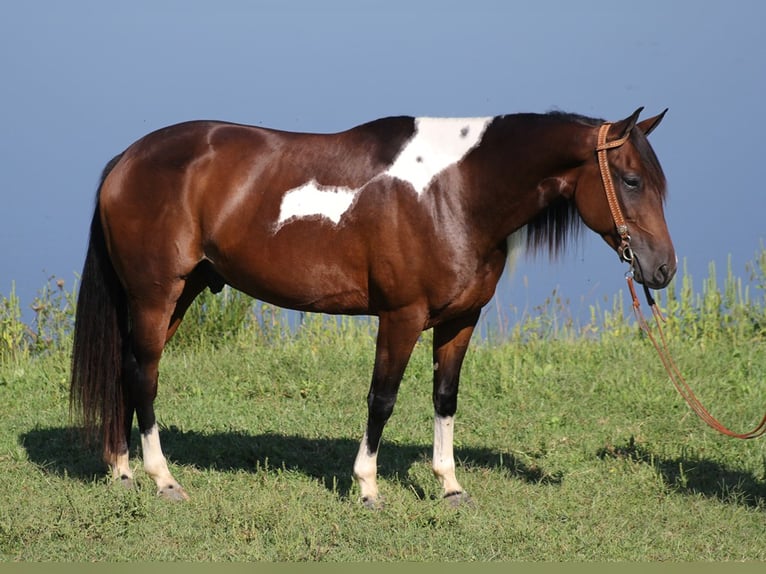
611	195
628	256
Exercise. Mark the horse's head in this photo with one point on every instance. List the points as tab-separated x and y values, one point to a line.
632	221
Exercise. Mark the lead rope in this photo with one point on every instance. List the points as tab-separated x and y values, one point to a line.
660	346
672	369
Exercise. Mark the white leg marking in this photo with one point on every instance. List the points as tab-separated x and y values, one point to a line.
311	198
437	144
121	469
365	471
156	466
154	461
444	461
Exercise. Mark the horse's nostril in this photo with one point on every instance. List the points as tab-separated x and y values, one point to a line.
663	274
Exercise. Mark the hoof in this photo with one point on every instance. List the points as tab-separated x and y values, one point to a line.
126	482
373	503
458	499
173	492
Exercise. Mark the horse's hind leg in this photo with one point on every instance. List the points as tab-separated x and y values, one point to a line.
203	276
149	333
119	462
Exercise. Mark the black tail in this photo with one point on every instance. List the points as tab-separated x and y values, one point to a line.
101	322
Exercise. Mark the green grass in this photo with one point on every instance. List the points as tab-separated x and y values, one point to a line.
574	447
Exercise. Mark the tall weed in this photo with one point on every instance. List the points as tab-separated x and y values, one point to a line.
12	329
735	311
53	324
49	331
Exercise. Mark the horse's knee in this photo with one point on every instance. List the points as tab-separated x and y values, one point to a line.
445	404
380	407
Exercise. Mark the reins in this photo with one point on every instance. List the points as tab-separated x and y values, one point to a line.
660	346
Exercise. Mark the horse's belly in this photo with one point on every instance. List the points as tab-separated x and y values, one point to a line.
302	284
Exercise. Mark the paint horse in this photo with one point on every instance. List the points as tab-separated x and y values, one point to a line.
408	219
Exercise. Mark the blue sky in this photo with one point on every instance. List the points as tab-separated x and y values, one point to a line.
81	80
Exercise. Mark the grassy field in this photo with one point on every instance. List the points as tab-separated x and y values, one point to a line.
573	444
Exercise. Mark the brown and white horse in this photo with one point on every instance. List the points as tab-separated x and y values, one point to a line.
404	218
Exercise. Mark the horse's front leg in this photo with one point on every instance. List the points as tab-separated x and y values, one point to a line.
397	334
450	345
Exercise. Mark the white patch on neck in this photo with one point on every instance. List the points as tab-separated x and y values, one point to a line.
437	144
313	199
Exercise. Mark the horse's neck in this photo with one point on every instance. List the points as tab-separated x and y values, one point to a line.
519	171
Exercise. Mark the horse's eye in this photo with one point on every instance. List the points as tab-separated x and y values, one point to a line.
631	180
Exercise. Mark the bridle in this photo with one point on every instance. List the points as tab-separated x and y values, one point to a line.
626	253
611	196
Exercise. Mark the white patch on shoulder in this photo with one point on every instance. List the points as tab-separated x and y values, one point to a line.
436	144
313	199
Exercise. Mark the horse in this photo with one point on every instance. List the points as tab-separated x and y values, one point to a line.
410	219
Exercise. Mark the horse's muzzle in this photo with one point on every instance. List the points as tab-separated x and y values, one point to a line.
660	276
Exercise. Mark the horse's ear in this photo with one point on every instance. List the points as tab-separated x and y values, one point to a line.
647	126
625	126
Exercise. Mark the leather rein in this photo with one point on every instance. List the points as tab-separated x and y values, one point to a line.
626	253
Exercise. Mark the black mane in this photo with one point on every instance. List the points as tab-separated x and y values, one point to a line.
567	117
